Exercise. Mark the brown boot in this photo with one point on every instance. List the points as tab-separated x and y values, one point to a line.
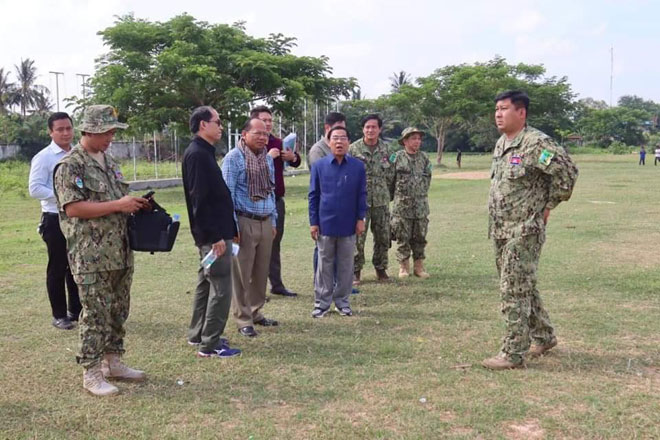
113	368
539	350
356	278
500	362
94	382
382	275
404	269
419	269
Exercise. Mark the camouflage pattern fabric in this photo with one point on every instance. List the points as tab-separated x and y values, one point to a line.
105	297
100	119
410	236
378	165
410	185
528	174
379	218
99	244
517	261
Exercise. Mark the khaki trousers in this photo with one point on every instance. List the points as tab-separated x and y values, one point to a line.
250	275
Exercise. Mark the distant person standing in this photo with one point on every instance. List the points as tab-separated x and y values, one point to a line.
410	210
58	273
642	156
531	175
376	156
337	207
459	156
279	155
657	155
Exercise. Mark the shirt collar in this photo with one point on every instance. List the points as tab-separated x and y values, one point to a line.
203	143
56	149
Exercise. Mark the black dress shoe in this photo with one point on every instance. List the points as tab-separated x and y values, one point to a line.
248	331
63	324
284	292
267	322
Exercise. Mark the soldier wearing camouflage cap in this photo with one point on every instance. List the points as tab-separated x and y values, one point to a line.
530	176
376	156
93	204
410	211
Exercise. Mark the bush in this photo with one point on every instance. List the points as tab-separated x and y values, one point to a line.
617	147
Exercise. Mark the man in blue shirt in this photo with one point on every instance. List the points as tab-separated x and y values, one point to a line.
250	176
337	207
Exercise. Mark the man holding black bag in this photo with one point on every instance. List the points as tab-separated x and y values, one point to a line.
93	204
213	226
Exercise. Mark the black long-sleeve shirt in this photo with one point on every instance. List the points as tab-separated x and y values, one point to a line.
210	207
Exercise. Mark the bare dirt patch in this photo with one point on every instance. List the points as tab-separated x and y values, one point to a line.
466	175
528	429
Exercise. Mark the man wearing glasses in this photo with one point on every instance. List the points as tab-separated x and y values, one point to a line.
337	207
249	173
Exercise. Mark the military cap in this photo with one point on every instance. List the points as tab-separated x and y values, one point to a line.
408	131
100	119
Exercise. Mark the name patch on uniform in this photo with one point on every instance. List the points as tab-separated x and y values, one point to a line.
546	157
515	160
79	182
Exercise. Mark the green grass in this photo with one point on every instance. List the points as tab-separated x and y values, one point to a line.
363	377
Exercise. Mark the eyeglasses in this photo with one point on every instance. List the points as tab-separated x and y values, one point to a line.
259	133
216	121
338	138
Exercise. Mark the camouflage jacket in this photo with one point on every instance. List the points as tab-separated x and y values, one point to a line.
529	175
98	244
380	171
410	185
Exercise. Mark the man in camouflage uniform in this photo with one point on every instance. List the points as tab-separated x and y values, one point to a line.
530	175
376	156
93	204
410	211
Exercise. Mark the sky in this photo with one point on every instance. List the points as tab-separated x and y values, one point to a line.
372	39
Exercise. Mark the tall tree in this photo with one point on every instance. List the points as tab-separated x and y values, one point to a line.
6	90
155	73
27	93
397	80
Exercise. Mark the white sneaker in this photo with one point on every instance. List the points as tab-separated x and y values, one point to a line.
94	382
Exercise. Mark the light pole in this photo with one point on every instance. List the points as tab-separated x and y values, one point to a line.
83	77
57	87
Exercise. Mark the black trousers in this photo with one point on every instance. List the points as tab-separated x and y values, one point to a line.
275	267
58	273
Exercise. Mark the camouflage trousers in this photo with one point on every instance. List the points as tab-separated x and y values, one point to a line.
517	261
379	218
410	236
105	299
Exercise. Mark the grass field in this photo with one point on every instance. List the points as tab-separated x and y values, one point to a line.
405	366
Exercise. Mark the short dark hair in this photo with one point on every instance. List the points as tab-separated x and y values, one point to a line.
203	113
248	124
333	117
518	98
56	117
369	117
254	113
332	130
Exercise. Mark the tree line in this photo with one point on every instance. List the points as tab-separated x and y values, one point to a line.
155	73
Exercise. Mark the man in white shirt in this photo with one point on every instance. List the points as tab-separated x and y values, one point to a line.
60	129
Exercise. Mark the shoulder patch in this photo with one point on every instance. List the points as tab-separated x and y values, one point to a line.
546	157
79	182
392	157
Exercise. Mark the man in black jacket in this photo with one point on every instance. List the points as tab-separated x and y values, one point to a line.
213	226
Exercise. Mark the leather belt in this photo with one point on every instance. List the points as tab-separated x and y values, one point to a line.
252	216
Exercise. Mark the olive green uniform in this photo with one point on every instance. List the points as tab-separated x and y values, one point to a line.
410	210
377	162
99	254
529	174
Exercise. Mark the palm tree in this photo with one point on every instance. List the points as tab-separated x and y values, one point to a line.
6	90
26	93
399	79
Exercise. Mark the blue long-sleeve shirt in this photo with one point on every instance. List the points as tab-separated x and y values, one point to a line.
337	195
233	171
